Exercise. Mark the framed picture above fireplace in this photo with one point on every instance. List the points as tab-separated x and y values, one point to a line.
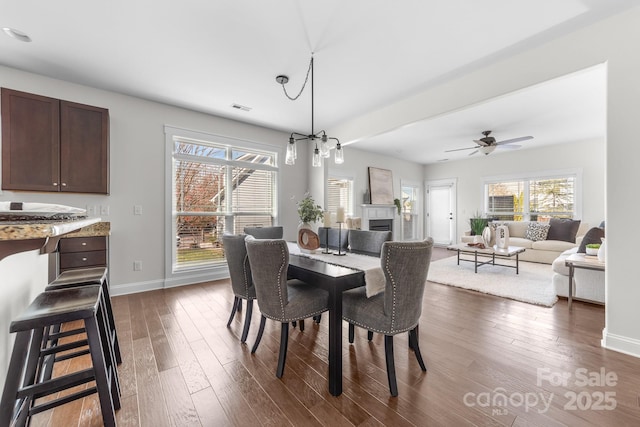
380	186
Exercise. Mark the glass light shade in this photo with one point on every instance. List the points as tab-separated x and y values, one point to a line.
290	158
339	156
316	158
324	148
487	149
295	150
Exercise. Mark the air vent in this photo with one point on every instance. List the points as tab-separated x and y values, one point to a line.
241	107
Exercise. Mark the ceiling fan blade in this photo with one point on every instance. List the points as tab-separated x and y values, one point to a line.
510	146
509	141
460	149
473	152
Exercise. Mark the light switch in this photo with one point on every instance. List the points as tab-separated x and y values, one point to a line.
137	210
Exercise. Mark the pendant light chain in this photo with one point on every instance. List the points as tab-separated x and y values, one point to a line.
303	85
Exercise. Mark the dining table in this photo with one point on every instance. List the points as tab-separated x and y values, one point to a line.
335	278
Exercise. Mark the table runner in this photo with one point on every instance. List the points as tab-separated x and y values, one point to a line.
373	276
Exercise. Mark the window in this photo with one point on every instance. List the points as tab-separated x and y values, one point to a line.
409	212
533	198
218	186
340	194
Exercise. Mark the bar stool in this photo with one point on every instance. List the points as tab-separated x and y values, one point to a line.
24	383
86	277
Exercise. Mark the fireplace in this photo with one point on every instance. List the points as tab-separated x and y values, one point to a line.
381	224
378	217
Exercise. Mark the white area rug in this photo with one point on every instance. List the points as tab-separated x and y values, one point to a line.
533	285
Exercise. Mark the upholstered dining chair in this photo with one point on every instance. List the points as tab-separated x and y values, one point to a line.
368	242
280	299
398	308
272	232
235	252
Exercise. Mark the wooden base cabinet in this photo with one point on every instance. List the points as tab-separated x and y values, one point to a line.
53	145
80	252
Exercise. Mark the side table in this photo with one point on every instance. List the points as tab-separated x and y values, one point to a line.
586	262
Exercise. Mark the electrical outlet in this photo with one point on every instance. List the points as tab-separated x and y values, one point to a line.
104	210
91	210
137	210
137	265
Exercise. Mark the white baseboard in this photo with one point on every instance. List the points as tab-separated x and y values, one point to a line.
135	287
621	344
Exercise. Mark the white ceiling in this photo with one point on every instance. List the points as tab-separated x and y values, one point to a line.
207	55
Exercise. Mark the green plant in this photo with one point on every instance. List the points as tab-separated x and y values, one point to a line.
593	245
309	211
478	223
398	205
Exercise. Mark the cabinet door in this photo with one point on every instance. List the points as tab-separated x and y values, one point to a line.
84	148
30	141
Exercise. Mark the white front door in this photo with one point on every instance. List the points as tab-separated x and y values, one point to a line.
441	199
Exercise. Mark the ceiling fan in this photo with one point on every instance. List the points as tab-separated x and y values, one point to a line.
488	144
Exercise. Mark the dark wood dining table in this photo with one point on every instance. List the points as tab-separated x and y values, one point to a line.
335	280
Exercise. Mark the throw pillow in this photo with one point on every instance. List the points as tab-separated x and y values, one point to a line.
593	236
537	231
563	229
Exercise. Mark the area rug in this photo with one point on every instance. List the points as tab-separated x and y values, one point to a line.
533	285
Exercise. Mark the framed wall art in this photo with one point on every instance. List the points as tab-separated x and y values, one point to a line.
381	186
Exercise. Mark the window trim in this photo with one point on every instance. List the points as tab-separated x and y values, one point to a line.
417	209
537	175
349	210
211	272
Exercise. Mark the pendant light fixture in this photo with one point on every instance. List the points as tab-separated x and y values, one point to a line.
320	140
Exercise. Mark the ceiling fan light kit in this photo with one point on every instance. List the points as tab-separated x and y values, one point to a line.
488	144
320	139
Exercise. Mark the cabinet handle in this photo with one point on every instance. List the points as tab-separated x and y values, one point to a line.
64	184
84	259
84	243
55	184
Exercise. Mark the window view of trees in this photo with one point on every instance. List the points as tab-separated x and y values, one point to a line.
216	189
531	199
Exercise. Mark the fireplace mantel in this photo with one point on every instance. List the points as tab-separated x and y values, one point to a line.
377	212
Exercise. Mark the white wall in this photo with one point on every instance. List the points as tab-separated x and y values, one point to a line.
613	41
356	166
587	157
137	156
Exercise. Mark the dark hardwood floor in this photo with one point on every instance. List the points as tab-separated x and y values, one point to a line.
491	362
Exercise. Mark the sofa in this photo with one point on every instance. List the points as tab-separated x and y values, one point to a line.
542	251
588	285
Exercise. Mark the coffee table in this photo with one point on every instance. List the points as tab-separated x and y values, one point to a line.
488	255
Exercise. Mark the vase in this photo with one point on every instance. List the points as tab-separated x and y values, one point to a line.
601	251
502	237
486	236
308	240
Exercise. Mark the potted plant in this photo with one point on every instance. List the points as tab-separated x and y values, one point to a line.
478	223
592	248
309	211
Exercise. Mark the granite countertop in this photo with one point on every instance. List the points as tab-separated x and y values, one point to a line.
38	229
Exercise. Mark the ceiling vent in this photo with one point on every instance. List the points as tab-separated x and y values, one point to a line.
241	107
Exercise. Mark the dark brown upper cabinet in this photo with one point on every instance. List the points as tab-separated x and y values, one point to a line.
53	145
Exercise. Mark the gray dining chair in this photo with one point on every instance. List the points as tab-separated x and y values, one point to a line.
398	308
235	253
271	232
368	242
280	299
